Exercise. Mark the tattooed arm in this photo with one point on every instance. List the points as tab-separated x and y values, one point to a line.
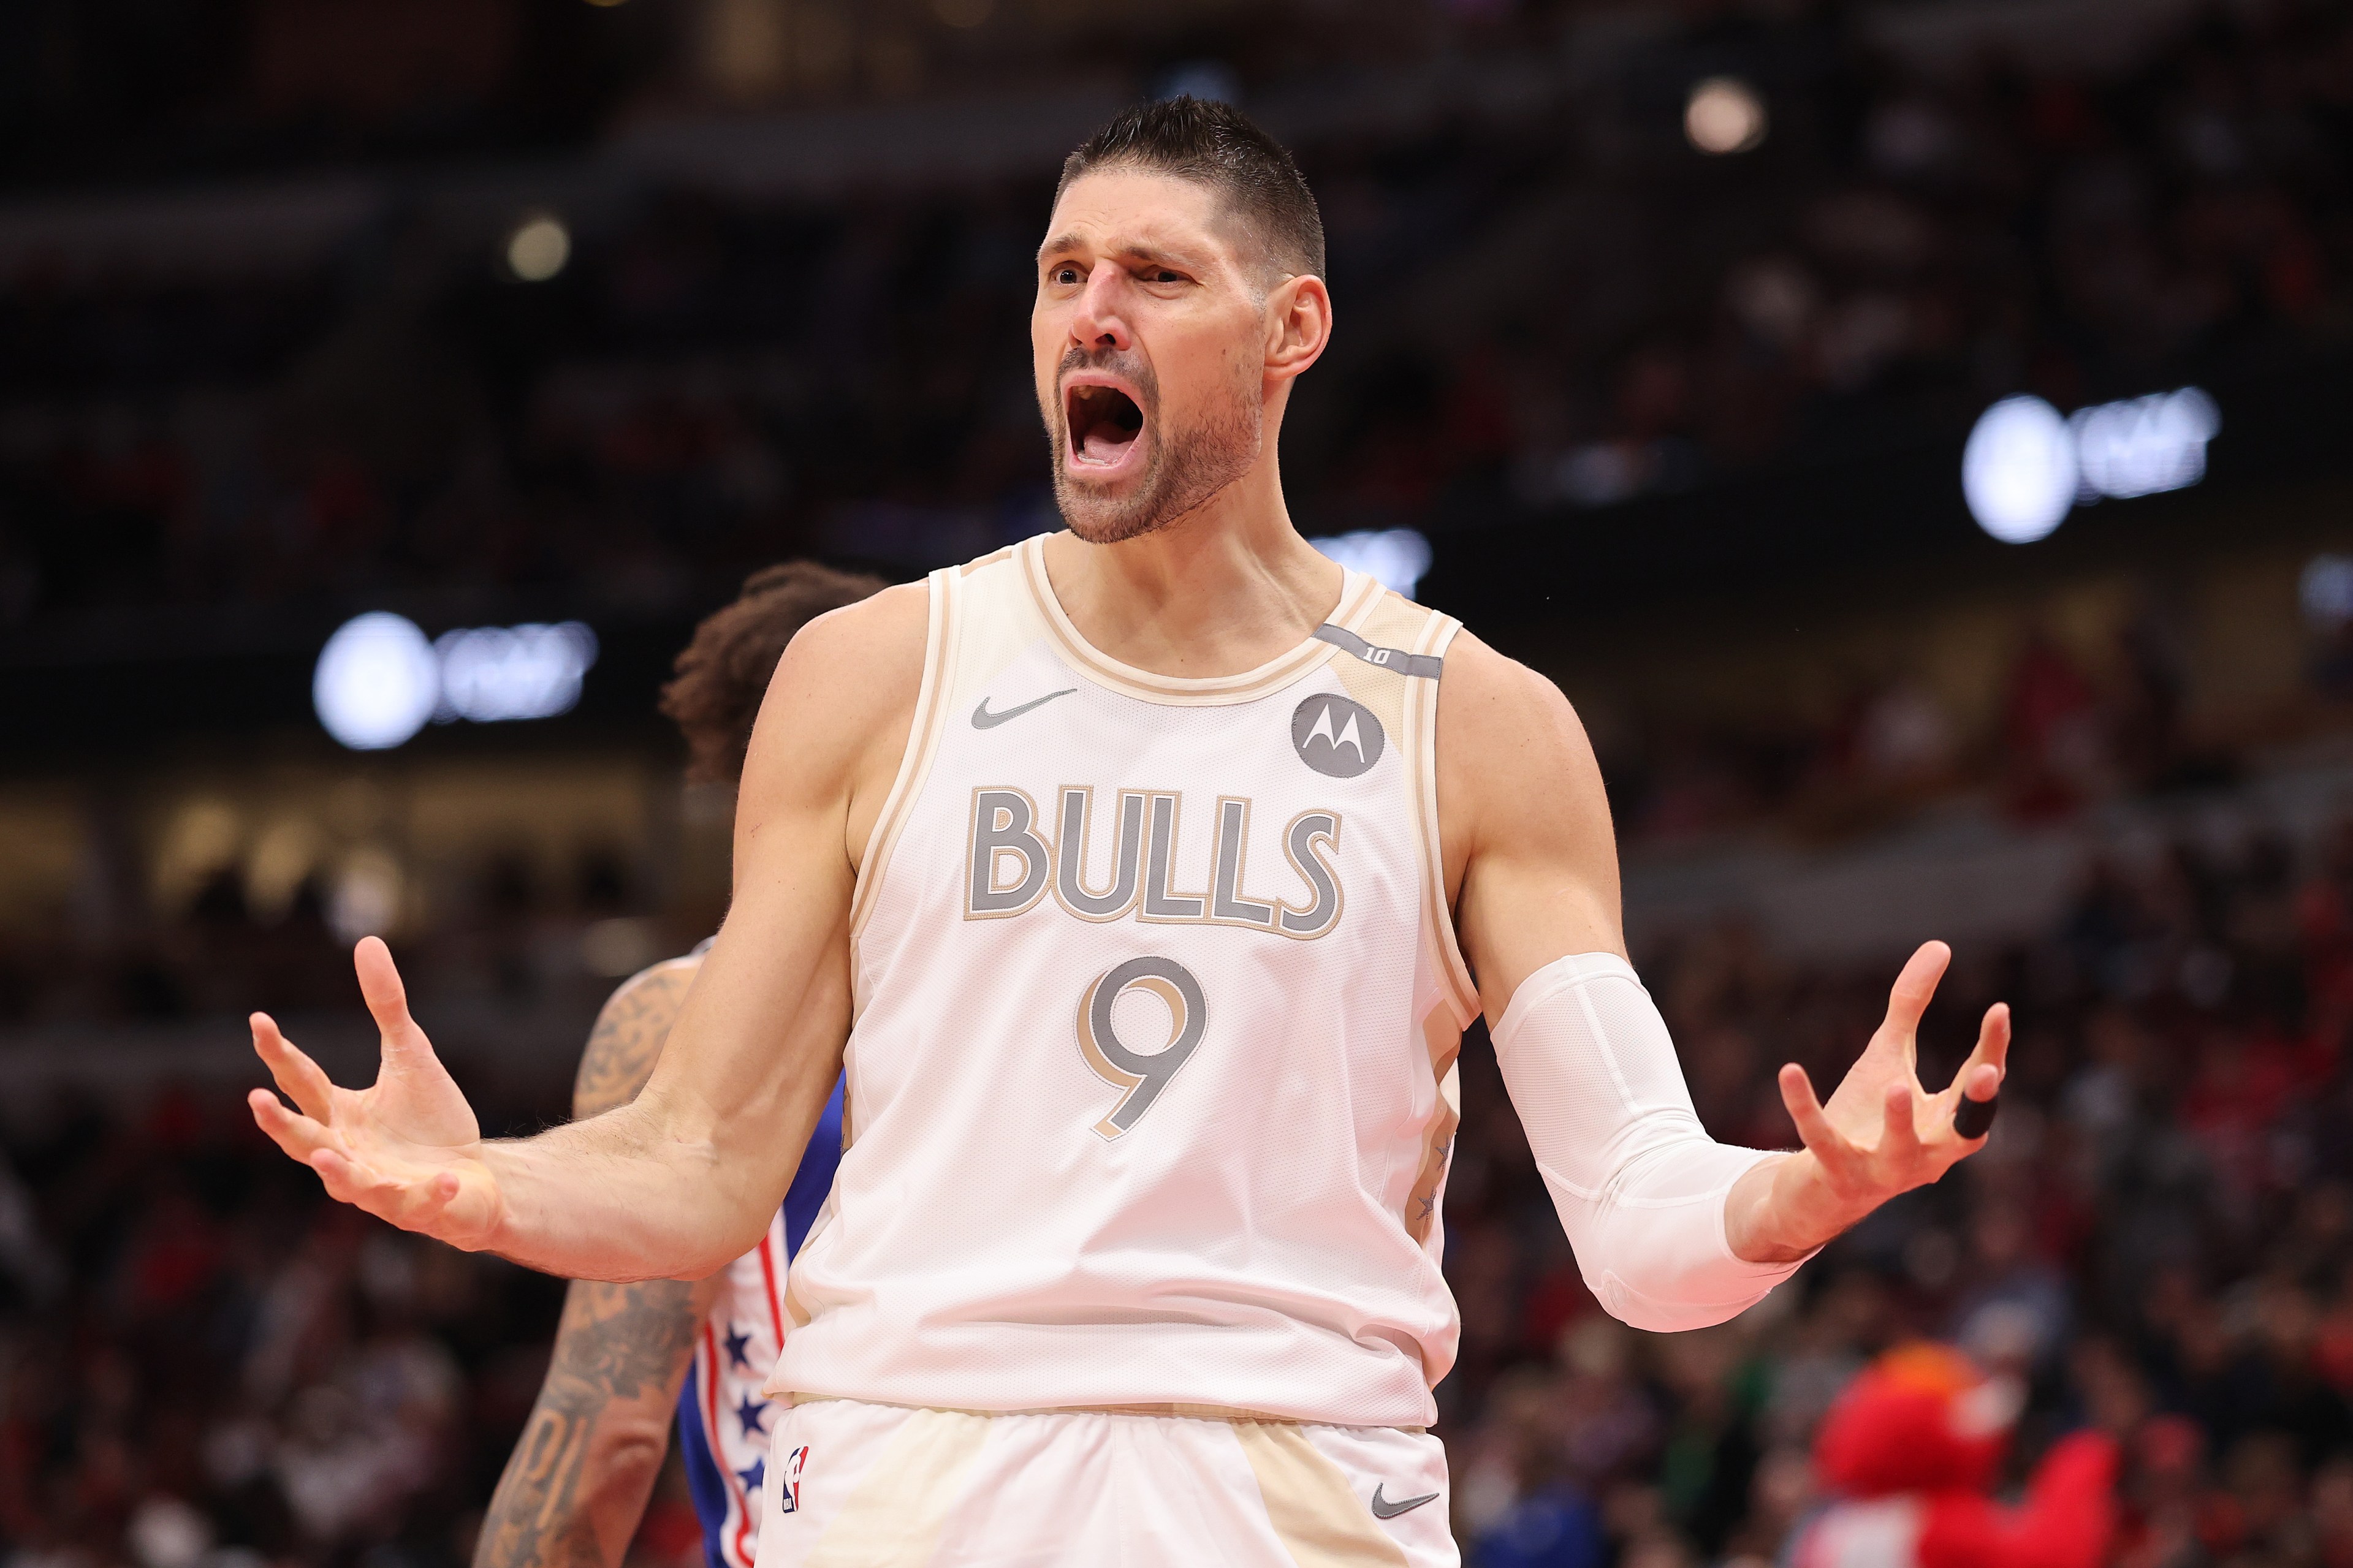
573	1492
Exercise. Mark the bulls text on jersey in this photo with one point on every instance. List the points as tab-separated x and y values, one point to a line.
1011	865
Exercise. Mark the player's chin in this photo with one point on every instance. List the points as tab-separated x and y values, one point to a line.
1105	512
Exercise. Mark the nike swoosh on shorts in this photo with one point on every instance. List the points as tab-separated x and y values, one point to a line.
981	719
1384	1509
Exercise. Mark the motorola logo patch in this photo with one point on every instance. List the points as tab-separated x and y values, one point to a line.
1337	738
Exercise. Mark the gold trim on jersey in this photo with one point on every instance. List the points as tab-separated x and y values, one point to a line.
1422	719
1357	597
1179	1412
1311	1504
899	1506
914	765
1444	1040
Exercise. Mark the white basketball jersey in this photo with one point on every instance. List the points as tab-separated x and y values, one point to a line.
1151	1081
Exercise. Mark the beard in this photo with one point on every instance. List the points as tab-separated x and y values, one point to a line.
1185	470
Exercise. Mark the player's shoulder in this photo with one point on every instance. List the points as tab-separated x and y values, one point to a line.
1508	743
1484	690
879	632
846	684
893	611
628	1037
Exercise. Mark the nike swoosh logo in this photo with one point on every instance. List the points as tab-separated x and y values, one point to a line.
1384	1509
981	719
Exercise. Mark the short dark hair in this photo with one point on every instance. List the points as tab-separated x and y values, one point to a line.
1216	145
723	672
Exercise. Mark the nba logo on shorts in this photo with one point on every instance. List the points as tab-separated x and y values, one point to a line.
788	1494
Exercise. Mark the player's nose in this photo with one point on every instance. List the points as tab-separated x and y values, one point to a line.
1100	320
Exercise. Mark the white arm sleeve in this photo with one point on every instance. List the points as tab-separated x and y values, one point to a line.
1639	1185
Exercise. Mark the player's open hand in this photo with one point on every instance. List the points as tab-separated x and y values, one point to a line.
406	1148
1882	1134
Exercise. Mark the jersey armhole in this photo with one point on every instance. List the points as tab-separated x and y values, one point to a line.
1422	721
946	592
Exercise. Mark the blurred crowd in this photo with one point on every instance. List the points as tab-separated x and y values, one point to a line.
1552	302
201	1362
202	1365
1557	303
2063	731
2158	1239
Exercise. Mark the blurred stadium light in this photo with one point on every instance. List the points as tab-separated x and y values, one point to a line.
2024	467
2018	471
494	673
1725	114
2326	591
1395	558
538	248
378	680
2145	444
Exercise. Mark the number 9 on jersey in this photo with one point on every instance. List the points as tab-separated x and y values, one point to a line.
1141	1076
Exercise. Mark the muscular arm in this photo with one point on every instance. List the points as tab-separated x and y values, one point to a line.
1673	1229
576	1484
683	1178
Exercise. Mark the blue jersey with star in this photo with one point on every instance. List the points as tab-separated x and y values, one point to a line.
723	1489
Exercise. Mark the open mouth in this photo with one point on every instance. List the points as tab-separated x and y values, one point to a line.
1104	422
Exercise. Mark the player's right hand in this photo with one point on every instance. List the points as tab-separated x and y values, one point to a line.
407	1149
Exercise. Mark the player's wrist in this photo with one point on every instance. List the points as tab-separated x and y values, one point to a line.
1800	1208
483	1218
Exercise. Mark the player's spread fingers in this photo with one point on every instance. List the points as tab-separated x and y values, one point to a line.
1915	986
1974	1087
386	997
1899	1135
346	1181
1980	1099
1993	1044
1814	1127
302	1081
291	1130
356	1183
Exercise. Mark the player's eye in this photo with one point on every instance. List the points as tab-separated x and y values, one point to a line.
1065	274
1162	274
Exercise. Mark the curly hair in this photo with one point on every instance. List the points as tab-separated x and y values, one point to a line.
723	672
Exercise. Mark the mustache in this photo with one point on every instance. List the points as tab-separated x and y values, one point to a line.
1126	363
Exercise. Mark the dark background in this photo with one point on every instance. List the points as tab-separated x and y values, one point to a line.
1682	429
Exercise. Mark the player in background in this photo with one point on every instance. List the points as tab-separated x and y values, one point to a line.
628	1355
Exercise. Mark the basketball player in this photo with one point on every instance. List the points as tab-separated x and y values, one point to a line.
578	1481
1150	871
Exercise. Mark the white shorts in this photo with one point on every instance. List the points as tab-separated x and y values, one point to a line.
879	1486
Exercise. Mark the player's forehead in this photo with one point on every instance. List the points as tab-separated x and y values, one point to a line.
1125	210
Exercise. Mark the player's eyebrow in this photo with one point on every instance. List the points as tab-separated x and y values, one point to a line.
1062	244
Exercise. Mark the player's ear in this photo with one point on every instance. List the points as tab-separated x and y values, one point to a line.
1298	324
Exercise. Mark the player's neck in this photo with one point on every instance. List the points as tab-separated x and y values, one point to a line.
1216	592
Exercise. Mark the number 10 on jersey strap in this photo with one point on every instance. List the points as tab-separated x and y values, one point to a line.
1141	1076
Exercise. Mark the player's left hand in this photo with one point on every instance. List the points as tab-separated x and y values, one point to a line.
407	1148
1881	1133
